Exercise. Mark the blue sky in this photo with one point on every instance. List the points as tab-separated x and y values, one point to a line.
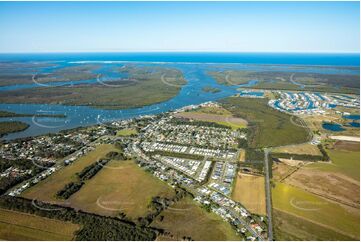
179	26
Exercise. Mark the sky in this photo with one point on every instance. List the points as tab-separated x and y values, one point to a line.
180	26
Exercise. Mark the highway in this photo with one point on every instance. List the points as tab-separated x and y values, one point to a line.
268	195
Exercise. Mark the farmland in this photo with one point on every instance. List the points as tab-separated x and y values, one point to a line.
22	226
249	190
46	189
121	186
187	219
310	207
268	126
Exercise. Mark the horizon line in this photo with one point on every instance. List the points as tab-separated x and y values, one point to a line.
184	51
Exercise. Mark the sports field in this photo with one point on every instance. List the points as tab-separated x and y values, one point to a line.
126	132
186	218
21	226
121	186
47	189
310	207
249	190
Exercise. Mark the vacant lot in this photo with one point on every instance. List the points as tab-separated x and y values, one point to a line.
46	189
249	190
22	226
186	218
301	149
268	126
330	185
290	227
126	132
310	207
121	186
345	162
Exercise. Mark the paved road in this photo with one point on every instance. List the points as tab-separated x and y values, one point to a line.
268	196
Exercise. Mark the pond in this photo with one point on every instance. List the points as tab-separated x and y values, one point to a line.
352	116
332	127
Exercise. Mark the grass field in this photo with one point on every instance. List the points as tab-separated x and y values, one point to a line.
308	149
47	189
186	218
331	185
290	227
317	210
121	186
217	115
22	226
345	162
249	190
269	127
126	132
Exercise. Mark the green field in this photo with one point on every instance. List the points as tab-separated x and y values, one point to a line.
126	132
186	218
12	127
316	209
46	190
268	126
145	86
22	226
345	162
290	227
121	186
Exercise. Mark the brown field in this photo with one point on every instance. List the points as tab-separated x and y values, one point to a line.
330	185
47	189
186	218
21	226
249	190
346	145
299	149
121	186
281	170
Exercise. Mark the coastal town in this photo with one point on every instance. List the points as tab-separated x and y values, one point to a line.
197	156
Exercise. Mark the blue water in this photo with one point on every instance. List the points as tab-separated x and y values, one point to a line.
193	65
333	127
354	124
352	117
192	57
